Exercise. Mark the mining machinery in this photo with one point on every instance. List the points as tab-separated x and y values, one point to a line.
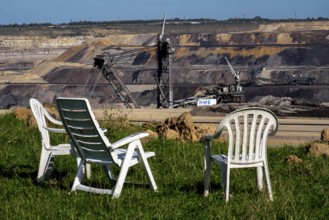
163	75
226	93
106	65
163	78
220	93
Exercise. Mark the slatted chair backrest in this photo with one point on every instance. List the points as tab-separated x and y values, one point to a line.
248	130
84	130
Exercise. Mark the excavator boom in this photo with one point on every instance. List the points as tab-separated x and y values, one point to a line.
234	74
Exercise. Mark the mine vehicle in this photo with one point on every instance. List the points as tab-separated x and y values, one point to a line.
222	93
301	80
226	93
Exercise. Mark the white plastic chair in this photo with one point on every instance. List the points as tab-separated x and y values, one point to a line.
248	130
94	147
48	151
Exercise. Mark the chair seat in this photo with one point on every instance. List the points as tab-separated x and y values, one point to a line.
221	158
135	157
121	153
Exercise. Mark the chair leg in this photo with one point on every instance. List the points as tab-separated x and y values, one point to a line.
268	180
108	171
226	180
206	169
260	178
146	166
45	165
87	170
123	171
79	176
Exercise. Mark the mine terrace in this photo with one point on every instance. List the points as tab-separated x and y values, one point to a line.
282	65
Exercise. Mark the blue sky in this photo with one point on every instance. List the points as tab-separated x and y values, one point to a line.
64	11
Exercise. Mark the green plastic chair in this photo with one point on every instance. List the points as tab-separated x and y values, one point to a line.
93	147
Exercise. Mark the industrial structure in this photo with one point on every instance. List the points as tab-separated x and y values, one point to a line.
225	93
220	93
106	65
163	76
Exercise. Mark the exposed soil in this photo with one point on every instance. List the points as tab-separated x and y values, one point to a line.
271	57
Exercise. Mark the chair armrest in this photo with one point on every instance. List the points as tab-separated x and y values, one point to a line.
208	137
50	118
128	140
56	130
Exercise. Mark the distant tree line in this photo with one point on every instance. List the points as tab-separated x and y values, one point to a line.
256	19
259	19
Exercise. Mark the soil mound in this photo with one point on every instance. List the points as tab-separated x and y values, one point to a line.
181	127
25	114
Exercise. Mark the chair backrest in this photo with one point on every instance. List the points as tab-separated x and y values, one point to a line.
248	130
82	127
41	116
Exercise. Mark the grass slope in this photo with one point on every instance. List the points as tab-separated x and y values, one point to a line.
300	190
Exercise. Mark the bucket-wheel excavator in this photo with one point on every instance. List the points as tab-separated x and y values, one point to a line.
163	78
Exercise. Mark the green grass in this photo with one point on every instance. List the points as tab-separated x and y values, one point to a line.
301	191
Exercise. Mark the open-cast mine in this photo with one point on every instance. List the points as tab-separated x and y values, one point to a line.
286	60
